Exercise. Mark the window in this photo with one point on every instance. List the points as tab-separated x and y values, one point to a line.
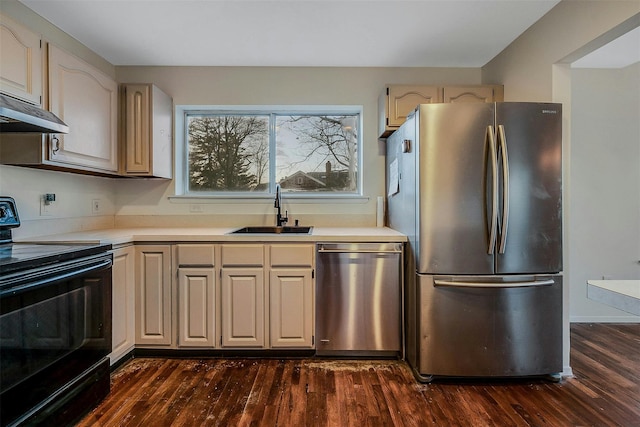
308	151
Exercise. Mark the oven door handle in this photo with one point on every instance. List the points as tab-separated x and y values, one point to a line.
67	274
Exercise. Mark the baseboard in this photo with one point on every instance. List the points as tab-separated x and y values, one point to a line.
604	319
567	372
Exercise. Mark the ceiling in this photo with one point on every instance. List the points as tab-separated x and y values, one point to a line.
345	33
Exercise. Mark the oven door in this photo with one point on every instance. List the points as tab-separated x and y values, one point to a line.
55	324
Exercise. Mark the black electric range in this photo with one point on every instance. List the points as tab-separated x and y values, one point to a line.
15	256
55	313
24	256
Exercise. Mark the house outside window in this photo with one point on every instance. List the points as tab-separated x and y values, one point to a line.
310	151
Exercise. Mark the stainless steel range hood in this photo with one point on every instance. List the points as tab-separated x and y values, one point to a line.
20	117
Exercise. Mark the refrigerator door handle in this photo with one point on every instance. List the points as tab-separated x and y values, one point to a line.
525	284
502	139
494	190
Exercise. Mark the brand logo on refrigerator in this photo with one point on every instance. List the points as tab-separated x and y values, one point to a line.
549	111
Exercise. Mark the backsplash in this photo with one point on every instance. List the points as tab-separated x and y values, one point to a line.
44	227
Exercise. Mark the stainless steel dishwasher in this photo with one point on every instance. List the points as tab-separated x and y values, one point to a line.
359	299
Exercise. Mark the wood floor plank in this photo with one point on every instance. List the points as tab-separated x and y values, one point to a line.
605	391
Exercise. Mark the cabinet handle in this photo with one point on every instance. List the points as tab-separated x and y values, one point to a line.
56	144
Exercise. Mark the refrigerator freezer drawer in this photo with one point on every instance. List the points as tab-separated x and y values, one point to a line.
511	326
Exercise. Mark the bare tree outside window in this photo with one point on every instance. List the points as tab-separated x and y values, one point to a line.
317	152
240	151
228	153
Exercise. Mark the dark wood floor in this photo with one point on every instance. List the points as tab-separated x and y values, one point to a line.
605	391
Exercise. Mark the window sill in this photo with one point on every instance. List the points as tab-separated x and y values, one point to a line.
248	199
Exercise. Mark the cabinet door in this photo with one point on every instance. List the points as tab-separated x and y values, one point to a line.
86	100
21	59
137	147
148	120
291	304
404	99
196	307
153	295
472	94
123	303
242	307
397	101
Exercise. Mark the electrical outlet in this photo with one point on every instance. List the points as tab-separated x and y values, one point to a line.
196	208
45	208
47	204
96	206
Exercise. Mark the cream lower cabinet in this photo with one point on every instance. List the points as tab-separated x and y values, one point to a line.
243	307
267	304
153	295
243	296
197	295
291	295
250	295
123	303
291	307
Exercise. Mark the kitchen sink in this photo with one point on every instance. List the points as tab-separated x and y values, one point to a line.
267	229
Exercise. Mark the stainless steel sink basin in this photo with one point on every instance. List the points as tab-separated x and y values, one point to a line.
267	229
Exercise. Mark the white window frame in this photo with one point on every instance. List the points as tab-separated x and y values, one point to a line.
181	150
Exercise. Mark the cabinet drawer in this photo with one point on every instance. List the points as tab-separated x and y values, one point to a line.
200	255
292	255
251	255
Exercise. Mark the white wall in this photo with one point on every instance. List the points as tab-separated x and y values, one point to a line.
525	66
604	230
74	193
53	34
72	209
147	202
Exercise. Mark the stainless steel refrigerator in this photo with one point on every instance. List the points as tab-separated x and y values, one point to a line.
478	190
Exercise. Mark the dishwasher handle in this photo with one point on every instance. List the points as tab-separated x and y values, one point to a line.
360	248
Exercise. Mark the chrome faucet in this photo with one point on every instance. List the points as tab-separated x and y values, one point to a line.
280	220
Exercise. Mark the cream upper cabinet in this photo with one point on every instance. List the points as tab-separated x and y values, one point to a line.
153	295
123	303
397	101
20	61
147	131
87	101
485	93
197	295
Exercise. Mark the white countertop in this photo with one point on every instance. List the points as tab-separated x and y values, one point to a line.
122	236
621	294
